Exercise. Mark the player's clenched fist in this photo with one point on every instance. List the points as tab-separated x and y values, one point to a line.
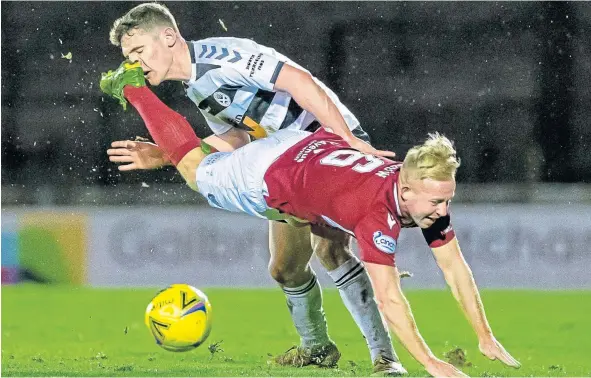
136	155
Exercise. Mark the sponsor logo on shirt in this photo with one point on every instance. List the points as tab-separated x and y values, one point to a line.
249	62
384	243
252	65
238	119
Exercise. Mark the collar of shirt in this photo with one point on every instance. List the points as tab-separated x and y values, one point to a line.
193	78
193	65
396	200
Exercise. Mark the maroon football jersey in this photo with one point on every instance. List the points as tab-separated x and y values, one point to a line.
323	180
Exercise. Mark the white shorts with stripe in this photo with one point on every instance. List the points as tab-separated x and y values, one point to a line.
234	181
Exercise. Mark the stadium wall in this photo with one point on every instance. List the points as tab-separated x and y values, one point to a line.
538	246
45	246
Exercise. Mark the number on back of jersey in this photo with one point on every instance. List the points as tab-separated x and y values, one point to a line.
345	158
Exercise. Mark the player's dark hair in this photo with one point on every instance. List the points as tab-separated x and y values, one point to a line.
145	16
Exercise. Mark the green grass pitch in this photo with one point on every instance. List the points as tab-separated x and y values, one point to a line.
64	331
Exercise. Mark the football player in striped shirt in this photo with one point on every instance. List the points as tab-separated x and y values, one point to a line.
298	175
245	90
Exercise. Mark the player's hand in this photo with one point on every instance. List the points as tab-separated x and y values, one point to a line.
137	155
438	368
492	349
366	148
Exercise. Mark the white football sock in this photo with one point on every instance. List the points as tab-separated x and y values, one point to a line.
305	305
355	288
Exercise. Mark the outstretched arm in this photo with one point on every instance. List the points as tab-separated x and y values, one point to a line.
311	97
395	308
132	155
461	281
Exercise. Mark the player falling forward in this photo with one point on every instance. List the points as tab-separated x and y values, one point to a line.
245	90
296	174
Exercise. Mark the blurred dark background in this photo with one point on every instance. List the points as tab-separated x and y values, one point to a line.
507	81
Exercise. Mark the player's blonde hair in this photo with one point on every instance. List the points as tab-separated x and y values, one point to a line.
435	159
145	16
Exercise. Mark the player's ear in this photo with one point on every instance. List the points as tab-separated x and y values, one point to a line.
170	36
404	192
408	191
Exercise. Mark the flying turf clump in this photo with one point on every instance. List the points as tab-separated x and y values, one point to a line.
215	348
457	357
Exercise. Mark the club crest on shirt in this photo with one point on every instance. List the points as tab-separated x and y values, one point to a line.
384	243
222	99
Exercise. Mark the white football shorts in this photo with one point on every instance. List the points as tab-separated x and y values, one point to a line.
234	181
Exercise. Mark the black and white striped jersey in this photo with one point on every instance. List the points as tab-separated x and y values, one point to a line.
232	82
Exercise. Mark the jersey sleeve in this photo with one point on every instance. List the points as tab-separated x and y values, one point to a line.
377	239
440	233
237	66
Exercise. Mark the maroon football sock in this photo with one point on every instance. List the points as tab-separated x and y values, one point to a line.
169	129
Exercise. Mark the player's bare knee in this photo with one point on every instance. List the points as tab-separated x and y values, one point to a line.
277	273
289	276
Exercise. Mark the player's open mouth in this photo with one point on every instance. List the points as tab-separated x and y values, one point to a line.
146	74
